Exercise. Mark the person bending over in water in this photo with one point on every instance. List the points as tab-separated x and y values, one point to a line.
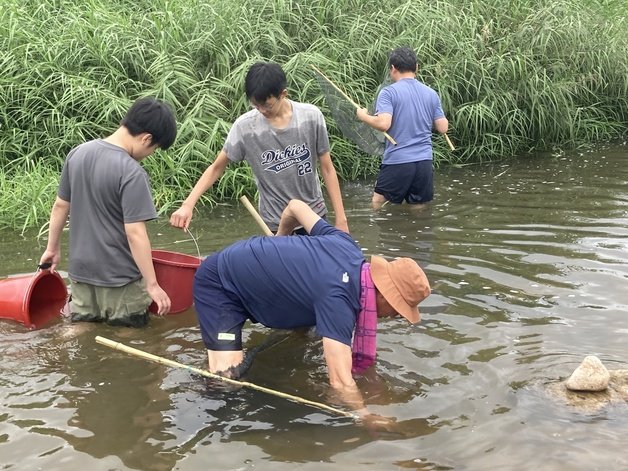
289	282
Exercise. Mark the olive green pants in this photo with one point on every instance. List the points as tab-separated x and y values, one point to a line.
120	306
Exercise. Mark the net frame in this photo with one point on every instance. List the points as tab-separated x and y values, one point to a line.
343	108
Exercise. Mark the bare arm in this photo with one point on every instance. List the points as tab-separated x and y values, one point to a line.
381	121
441	125
140	249
182	216
338	359
58	217
297	213
333	190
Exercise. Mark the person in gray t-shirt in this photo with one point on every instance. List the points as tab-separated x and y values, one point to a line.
284	142
107	195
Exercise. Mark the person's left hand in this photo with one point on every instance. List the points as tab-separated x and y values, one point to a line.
378	422
379	426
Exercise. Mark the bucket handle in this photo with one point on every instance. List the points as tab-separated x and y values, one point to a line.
41	267
195	243
193	240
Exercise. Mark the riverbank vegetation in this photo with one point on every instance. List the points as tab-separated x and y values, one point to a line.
513	77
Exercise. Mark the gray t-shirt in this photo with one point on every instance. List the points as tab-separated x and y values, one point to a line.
284	161
106	189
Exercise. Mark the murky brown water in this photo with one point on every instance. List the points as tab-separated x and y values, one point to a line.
529	264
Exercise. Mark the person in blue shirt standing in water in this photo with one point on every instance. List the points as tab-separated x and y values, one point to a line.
408	110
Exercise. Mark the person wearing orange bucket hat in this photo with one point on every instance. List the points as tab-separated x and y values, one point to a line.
289	282
107	195
402	283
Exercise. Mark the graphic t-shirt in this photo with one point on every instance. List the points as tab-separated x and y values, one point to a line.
284	161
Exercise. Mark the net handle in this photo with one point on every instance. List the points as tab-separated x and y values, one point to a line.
260	222
165	361
386	135
449	143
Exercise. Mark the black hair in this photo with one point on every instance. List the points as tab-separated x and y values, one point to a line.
154	117
263	80
404	59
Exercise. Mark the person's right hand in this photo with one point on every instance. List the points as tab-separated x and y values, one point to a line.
51	256
361	113
181	217
160	297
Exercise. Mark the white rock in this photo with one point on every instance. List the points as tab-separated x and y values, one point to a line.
591	375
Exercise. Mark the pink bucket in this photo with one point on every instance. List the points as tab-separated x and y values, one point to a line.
33	299
175	274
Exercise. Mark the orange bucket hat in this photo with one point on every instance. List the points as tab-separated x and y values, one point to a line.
402	283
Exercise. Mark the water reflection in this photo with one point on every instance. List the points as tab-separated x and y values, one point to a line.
528	264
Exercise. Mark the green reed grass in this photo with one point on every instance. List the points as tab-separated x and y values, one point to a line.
25	197
512	77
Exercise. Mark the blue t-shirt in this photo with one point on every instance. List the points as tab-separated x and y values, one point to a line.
298	281
414	107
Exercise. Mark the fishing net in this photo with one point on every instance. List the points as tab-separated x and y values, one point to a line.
236	372
369	140
387	81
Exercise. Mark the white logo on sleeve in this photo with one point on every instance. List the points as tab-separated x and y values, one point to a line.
345	277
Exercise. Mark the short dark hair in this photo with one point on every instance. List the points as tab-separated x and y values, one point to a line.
403	58
154	117
263	80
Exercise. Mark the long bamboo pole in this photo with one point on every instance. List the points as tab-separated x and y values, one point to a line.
386	135
245	201
164	361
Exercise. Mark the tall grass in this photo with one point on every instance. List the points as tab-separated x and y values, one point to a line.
25	199
512	77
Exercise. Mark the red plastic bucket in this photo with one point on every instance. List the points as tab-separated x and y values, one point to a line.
33	299
175	274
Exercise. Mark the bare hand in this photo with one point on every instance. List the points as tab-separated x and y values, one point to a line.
51	256
379	423
361	113
343	226
160	297
181	217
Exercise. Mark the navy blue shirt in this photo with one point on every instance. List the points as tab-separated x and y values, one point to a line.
288	282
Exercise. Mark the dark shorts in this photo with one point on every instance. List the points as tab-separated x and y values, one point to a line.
220	313
412	182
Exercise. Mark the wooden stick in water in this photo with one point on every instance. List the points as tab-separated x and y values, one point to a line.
245	201
174	364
